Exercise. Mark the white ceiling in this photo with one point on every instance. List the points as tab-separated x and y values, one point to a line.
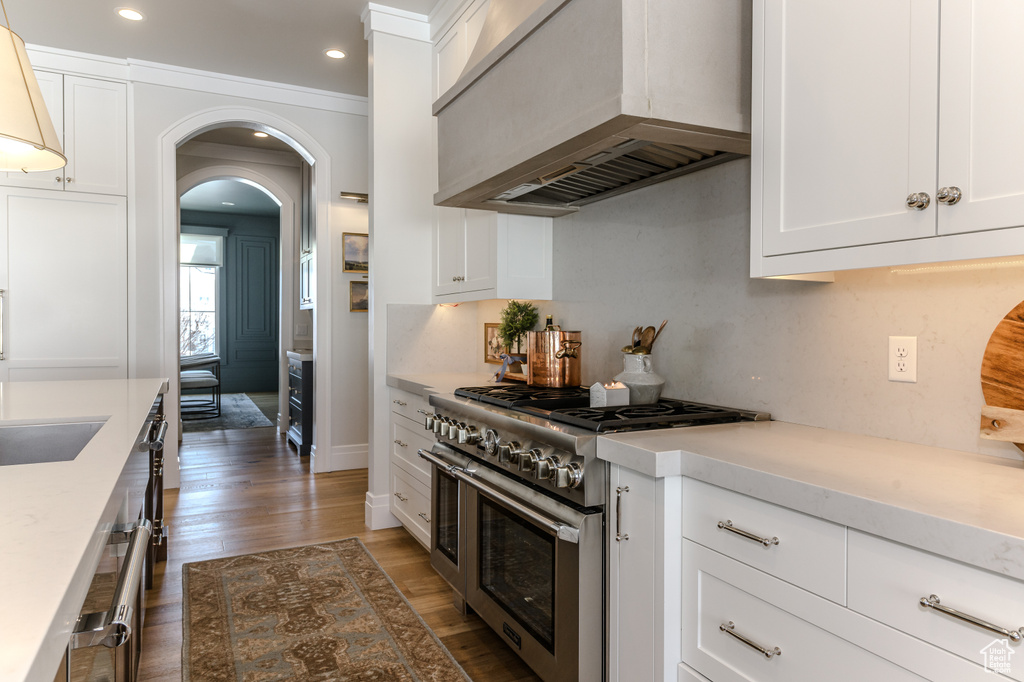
230	196
274	40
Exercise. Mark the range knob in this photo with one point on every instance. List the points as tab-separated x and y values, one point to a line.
428	422
491	442
528	460
453	430
568	476
509	452
438	423
544	468
468	435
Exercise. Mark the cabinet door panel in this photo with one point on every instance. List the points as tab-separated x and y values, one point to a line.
66	307
481	250
849	95
95	135
449	253
981	97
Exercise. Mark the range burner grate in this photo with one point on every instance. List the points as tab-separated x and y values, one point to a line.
665	413
513	396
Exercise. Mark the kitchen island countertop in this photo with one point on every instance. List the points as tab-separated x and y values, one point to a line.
961	505
53	515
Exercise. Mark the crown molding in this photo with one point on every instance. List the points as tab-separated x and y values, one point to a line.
381	19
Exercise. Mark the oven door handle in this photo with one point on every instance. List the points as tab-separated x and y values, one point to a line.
561	530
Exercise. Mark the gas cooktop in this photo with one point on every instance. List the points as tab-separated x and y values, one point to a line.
572	406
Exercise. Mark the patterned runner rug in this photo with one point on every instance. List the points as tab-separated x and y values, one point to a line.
320	612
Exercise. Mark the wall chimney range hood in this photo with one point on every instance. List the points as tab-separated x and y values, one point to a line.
563	103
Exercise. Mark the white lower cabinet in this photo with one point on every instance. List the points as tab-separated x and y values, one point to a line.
410	473
64	276
737	629
888	581
838	604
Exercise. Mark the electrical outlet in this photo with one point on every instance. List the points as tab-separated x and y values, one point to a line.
903	359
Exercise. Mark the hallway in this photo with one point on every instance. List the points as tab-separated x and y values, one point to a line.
247	491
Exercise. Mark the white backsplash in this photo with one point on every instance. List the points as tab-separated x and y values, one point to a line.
809	353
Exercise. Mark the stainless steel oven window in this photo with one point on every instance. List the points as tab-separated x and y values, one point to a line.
517	570
447	513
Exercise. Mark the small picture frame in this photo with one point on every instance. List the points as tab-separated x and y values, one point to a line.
493	347
355	251
358	297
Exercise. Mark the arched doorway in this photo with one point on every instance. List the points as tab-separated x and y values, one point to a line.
318	159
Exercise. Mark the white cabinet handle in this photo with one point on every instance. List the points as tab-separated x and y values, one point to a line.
727	525
619	535
730	629
401	497
932	602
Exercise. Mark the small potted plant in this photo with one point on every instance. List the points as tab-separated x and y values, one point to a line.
517	318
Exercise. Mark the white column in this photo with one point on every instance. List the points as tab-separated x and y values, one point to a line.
403	176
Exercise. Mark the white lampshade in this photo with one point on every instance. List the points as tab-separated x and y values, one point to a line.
28	141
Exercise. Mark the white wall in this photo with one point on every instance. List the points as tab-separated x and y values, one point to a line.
403	173
809	353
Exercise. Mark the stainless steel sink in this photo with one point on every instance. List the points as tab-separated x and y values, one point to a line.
50	442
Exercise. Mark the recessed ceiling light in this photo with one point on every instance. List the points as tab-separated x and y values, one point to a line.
260	133
334	53
227	203
130	14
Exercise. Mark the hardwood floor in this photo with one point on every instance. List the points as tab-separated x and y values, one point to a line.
248	491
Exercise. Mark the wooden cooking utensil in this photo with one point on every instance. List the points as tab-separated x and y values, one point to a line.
647	338
1002	380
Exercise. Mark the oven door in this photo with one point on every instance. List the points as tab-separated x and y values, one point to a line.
448	518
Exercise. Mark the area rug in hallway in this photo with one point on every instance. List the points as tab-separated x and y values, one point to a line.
320	612
237	411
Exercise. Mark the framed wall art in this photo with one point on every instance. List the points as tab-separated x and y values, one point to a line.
358	297
492	343
356	247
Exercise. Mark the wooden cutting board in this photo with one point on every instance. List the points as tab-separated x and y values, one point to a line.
1002	380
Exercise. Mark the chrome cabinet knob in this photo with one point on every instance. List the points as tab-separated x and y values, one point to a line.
918	201
544	468
454	278
568	476
69	180
949	195
59	179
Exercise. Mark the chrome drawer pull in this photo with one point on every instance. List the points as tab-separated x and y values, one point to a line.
401	444
399	403
729	629
423	516
424	412
401	497
619	535
727	525
932	602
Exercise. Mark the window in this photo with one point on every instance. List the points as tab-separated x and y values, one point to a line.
201	259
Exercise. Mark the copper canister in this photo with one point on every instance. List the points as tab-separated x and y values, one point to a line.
553	358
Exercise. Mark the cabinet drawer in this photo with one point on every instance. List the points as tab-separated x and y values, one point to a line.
811	552
888	581
716	587
405	443
410	503
409	405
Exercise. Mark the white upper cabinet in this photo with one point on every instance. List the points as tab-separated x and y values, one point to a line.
91	118
981	97
871	118
452	50
480	255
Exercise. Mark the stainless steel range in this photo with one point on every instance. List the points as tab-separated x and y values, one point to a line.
519	497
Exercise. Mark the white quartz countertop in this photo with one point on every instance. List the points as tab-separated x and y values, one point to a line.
52	515
430	384
962	505
300	355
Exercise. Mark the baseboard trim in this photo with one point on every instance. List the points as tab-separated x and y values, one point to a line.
378	512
